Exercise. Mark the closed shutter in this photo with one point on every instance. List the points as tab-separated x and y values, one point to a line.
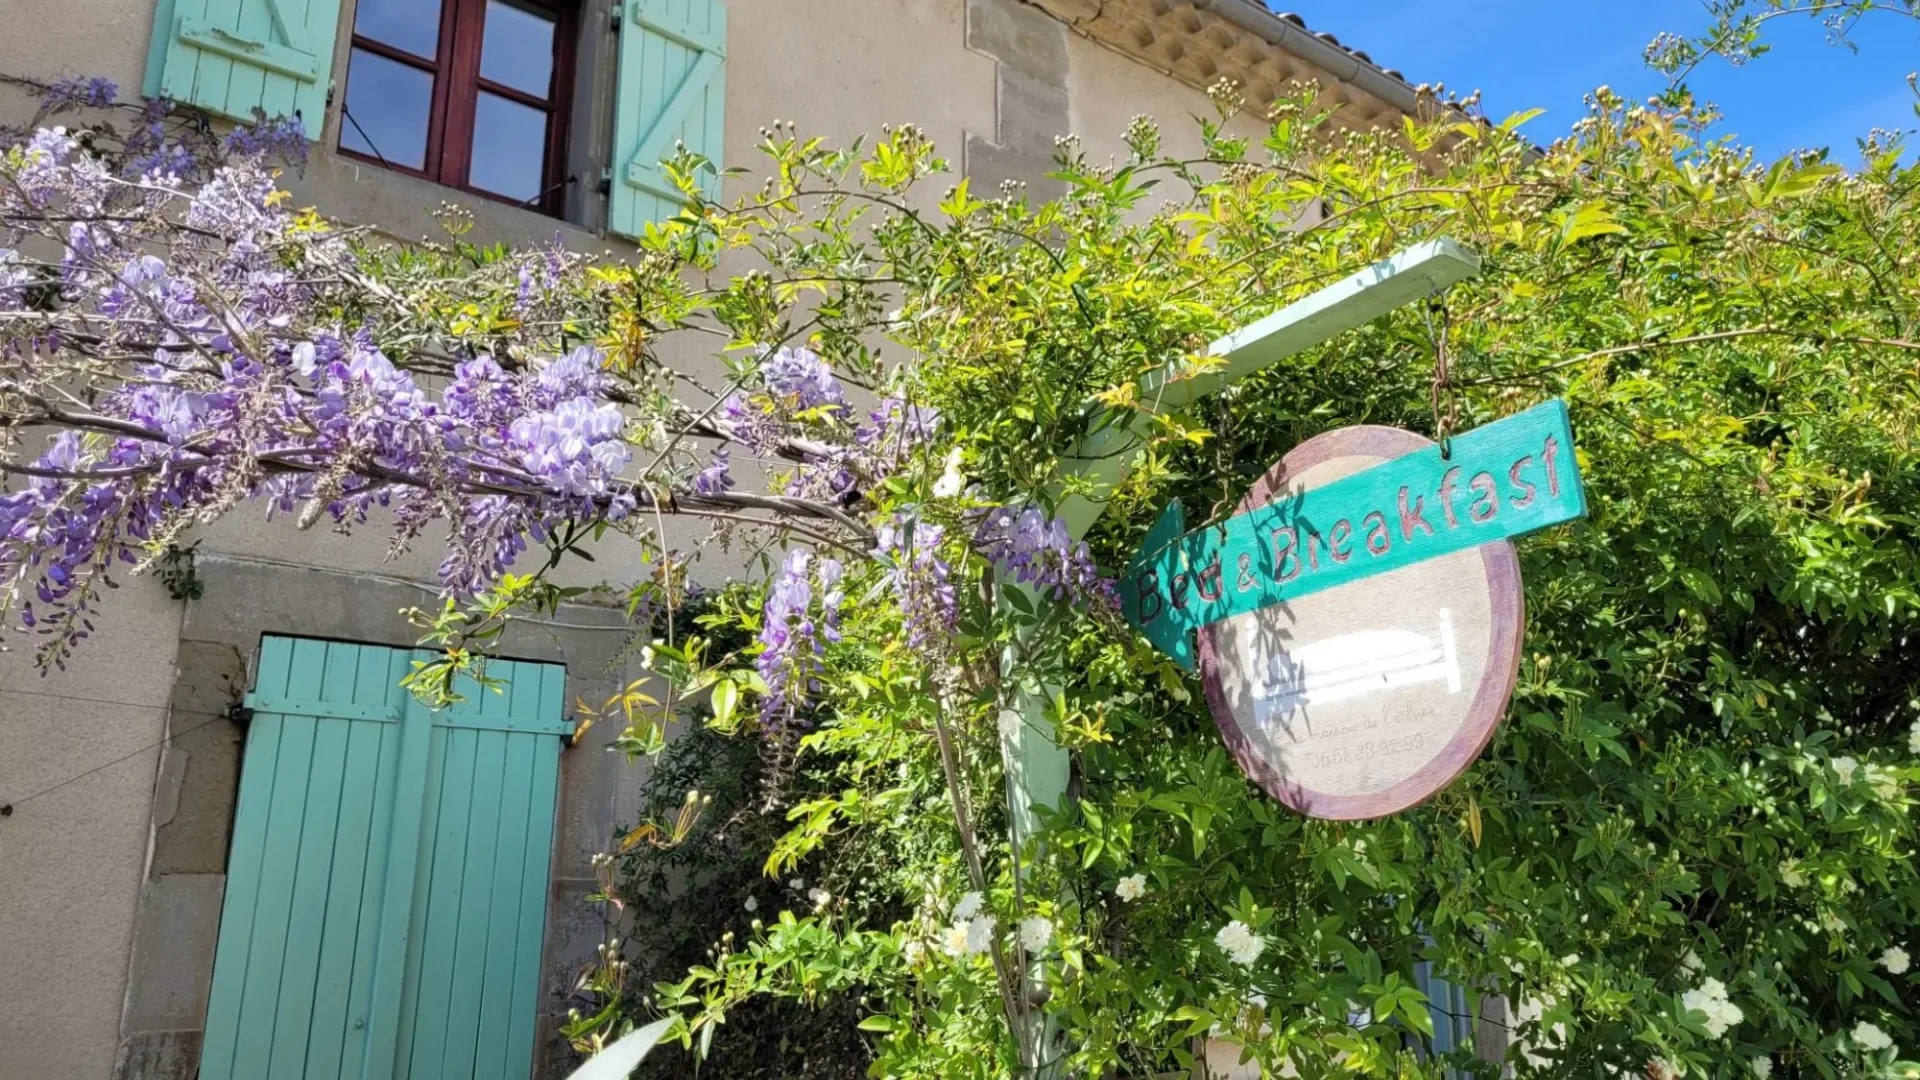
234	56
671	89
387	885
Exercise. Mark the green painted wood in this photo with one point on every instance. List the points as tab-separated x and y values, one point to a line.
1106	453
437	908
234	56
1507	479
466	975
386	901
313	870
536	871
336	1040
671	88
248	848
495	1014
334	710
273	905
382	858
416	803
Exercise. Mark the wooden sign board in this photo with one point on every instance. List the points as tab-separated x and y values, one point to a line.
1357	624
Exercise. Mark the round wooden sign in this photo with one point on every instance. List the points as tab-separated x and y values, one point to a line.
1363	699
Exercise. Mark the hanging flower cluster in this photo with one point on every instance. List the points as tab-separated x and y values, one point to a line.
1709	999
1037	551
919	579
185	364
791	642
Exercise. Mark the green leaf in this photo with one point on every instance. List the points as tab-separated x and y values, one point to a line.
725	699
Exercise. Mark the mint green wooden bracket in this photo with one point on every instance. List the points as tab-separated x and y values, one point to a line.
1037	769
295	63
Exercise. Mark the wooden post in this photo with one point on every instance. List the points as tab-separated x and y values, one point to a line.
1037	769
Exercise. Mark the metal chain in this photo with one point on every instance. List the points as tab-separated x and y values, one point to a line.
1441	397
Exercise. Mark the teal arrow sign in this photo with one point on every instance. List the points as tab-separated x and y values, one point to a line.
1503	480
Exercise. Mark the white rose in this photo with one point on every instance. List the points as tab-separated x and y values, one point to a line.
1870	1037
1844	768
968	907
1131	887
1895	960
953	940
1036	931
980	934
950	482
1239	942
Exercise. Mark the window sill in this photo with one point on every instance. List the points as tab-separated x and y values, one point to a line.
401	205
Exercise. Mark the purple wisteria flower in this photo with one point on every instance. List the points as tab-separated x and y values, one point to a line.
801	378
78	92
716	478
280	137
576	447
790	651
240	401
919	579
792	641
1036	550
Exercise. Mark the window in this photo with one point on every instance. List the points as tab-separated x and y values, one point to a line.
467	93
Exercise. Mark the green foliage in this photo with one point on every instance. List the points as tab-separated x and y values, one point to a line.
1706	777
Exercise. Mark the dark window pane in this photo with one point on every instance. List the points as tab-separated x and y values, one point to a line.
517	50
413	25
387	107
509	147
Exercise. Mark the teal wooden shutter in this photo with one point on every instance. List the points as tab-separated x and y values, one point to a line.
234	56
480	888
671	89
387	886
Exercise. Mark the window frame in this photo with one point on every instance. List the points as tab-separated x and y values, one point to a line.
454	101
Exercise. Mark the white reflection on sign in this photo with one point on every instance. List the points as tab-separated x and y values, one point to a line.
1352	665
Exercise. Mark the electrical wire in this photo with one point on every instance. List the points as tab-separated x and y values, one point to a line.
7	808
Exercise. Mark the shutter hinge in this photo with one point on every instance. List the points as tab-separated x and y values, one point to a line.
605	186
614	20
240	715
330	88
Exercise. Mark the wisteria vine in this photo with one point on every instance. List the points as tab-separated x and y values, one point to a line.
180	341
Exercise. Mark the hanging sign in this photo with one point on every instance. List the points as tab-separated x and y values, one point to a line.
1357	623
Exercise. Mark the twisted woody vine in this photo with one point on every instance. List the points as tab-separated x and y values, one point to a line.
1688	850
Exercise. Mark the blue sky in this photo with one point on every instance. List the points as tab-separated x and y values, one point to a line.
1547	53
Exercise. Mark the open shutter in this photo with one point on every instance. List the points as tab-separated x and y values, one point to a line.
672	88
234	56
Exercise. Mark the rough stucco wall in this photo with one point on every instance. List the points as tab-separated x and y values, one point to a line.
990	81
1107	90
71	859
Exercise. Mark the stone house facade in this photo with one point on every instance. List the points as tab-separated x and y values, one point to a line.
125	780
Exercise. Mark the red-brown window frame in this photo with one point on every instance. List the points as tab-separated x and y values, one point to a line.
457	83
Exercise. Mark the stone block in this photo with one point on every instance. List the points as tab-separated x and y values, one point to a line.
175	931
1019	35
200	766
158	1055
